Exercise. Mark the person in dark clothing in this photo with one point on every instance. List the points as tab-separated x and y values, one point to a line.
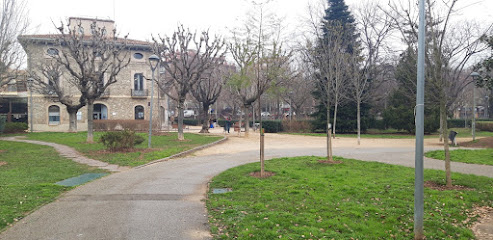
228	124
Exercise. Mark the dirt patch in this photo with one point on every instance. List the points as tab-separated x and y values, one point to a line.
329	162
266	174
2	163
480	143
483	227
440	187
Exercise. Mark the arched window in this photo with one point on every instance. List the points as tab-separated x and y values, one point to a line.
53	115
139	112
100	112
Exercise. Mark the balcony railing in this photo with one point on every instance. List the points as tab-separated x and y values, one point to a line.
139	93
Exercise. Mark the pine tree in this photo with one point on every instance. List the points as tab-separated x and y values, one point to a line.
338	15
337	20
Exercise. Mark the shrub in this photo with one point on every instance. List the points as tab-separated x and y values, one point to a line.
377	124
190	122
298	126
15	127
458	123
119	124
2	123
485	126
120	140
272	126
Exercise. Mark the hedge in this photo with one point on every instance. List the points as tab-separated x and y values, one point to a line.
2	123
485	126
15	127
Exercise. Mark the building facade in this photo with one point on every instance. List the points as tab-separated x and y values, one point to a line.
127	99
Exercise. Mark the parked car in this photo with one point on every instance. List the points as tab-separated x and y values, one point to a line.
188	113
265	114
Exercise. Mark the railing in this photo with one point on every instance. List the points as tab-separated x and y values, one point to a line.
139	93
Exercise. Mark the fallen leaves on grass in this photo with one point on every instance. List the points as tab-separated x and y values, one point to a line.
486	142
266	174
329	161
483	227
3	163
440	187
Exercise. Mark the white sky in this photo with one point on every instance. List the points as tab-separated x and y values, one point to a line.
142	18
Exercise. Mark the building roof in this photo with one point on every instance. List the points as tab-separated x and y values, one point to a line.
49	39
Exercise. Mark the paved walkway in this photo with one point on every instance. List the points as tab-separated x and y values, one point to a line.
165	200
71	153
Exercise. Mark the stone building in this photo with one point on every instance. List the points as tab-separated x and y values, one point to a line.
127	99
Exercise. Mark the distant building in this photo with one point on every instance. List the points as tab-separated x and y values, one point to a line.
128	98
13	99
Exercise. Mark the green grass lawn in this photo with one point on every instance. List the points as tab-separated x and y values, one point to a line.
395	134
27	176
479	156
353	200
162	146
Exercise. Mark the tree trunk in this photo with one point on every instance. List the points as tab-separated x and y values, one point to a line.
247	120
181	137
329	147
72	116
329	143
358	119
239	123
205	118
441	128
90	121
443	117
335	120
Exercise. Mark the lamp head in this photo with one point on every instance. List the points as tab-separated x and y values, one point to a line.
475	75
153	61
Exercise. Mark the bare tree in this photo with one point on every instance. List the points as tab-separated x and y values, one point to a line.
375	26
449	49
298	90
208	90
93	62
186	60
49	82
13	22
330	60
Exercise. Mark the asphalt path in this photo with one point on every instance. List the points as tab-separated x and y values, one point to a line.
165	200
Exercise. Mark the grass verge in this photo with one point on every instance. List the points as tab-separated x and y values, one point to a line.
27	176
479	156
162	146
395	134
351	200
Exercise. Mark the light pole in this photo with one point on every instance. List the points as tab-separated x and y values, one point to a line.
474	76
487	98
419	121
30	85
153	61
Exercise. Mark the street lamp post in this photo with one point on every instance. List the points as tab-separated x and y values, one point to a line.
153	61
419	122
487	115
30	85
474	76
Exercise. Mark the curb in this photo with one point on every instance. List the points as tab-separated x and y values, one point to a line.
183	153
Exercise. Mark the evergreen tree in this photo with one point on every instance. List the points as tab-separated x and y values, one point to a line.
338	14
337	20
400	113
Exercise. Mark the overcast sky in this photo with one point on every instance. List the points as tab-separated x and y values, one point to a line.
145	17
